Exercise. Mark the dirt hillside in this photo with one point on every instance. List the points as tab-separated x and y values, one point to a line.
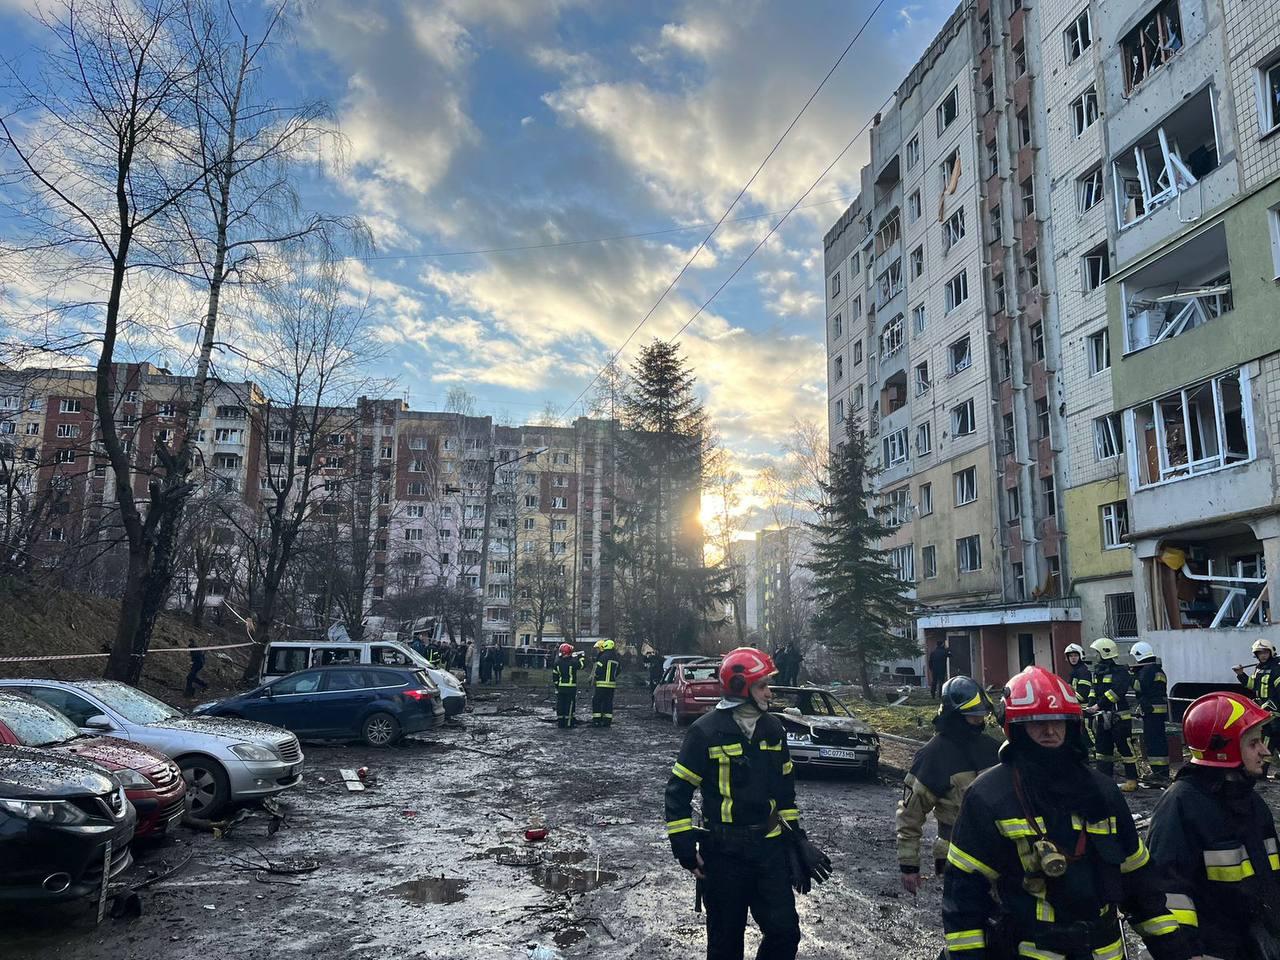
37	622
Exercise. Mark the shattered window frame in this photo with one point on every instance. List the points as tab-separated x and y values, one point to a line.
1150	45
1090	190
1078	37
1085	111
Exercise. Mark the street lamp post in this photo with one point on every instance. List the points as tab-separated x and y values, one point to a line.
473	664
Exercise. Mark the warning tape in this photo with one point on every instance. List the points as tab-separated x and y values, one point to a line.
95	656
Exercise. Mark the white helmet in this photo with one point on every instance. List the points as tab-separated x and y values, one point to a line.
1105	647
1074	648
1262	643
1142	651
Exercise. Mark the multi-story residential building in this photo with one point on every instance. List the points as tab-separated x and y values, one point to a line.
1128	208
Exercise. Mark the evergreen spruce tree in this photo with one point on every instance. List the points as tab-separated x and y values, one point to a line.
663	590
860	598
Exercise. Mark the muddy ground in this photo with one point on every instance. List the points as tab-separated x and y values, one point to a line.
432	862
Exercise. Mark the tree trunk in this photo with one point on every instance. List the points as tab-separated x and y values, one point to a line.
270	591
125	660
864	674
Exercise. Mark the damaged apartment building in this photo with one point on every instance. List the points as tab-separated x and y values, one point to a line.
1054	308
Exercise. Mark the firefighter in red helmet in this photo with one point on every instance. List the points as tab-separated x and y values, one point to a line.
564	677
750	851
1214	838
1045	854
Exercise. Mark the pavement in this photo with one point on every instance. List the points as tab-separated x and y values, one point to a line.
431	862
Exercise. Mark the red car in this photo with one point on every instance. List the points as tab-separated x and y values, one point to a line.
152	782
688	690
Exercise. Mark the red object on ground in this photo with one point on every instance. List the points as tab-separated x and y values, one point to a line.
363	773
535	833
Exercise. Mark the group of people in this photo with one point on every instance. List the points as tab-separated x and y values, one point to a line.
788	659
1038	852
565	672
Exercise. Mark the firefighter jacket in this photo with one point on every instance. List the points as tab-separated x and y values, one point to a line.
1111	689
564	671
743	783
1215	840
1151	689
1264	685
941	772
997	901
607	669
1082	682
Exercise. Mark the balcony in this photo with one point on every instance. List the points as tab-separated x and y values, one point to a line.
1185	289
1167	161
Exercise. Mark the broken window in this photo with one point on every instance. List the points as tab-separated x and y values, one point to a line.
969	554
1084	111
913	207
924	443
1194	430
1186	288
1167	161
837	369
890	282
963	421
949	172
1079	36
948	109
1028	190
957	291
1115	524
913	152
1097	267
1270	115
1037	341
1108	438
918	320
960	355
917	262
966	485
896	449
922	377
891	339
896	505
993	157
997	292
1019	59
953	230
1031	263
1042	418
1013	499
1024	127
1089	189
997	228
890	232
857	352
1099	351
1151	44
1048	496
989	92
1004	362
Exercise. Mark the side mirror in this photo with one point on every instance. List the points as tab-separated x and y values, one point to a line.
99	721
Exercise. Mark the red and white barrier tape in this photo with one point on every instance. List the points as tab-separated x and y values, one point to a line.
94	656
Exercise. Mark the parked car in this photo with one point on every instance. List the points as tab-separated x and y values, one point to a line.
822	732
688	690
223	761
289	656
378	704
152	782
58	813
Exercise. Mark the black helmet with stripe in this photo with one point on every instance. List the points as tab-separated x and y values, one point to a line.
964	696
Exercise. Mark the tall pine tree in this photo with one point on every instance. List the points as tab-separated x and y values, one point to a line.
663	590
860	598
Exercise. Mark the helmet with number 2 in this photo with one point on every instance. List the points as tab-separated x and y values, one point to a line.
1037	694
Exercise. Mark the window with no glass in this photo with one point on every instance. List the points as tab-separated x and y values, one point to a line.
1097	267
1108	438
948	109
959	355
963	421
1099	352
957	291
1089	189
1079	37
1084	111
953	230
969	554
966	485
1115	524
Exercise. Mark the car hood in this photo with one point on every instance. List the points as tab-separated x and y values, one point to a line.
112	753
227	729
33	773
840	724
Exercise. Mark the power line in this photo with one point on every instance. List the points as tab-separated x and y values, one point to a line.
705	240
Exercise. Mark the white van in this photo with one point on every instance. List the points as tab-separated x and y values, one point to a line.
290	656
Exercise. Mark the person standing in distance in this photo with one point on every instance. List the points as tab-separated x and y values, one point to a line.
1151	690
736	756
938	658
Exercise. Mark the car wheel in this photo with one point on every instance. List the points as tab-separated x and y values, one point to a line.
380	730
208	789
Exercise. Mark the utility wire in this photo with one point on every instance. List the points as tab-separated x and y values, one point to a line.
741	193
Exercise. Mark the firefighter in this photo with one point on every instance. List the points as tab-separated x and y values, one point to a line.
606	681
1112	716
737	755
1213	837
564	677
433	655
1264	684
1081	676
1045	853
941	772
1151	690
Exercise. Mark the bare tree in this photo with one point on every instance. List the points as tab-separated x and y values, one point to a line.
724	485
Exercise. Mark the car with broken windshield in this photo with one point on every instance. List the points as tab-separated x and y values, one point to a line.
223	761
823	733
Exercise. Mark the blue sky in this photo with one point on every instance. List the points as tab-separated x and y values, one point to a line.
474	124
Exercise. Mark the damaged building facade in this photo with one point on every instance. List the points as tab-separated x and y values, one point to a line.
1113	207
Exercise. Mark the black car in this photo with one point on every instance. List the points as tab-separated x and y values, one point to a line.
341	702
57	816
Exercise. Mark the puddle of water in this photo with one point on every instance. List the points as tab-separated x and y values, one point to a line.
557	878
431	890
568	856
569	936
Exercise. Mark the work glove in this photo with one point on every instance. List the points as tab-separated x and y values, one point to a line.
684	847
805	862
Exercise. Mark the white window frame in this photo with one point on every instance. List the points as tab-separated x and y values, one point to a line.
1098	346
893	337
1049	496
889	283
929	561
1115	524
1078	37
957	291
1085	111
69	406
913	151
959	413
955	365
1089	190
919	319
896	506
965	486
946	117
1172	473
969	548
917	262
837	368
1273	224
1178	179
1096	268
903	562
837	327
896	448
914	207
924	439
858	397
1269	102
953	230
921	378
840	410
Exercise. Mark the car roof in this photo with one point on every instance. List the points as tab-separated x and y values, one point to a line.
330	667
777	689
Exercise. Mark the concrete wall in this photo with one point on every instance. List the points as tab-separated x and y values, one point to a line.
1093	600
1206	656
948	523
1083	504
1253	40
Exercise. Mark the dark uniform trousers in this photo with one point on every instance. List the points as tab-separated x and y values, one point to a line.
1152	690
750	876
564	677
748	788
1113	727
606	677
1082	686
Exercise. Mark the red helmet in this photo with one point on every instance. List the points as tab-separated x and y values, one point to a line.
1214	725
741	669
1037	694
566	649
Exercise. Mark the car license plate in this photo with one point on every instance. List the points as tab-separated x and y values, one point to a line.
293	770
831	753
